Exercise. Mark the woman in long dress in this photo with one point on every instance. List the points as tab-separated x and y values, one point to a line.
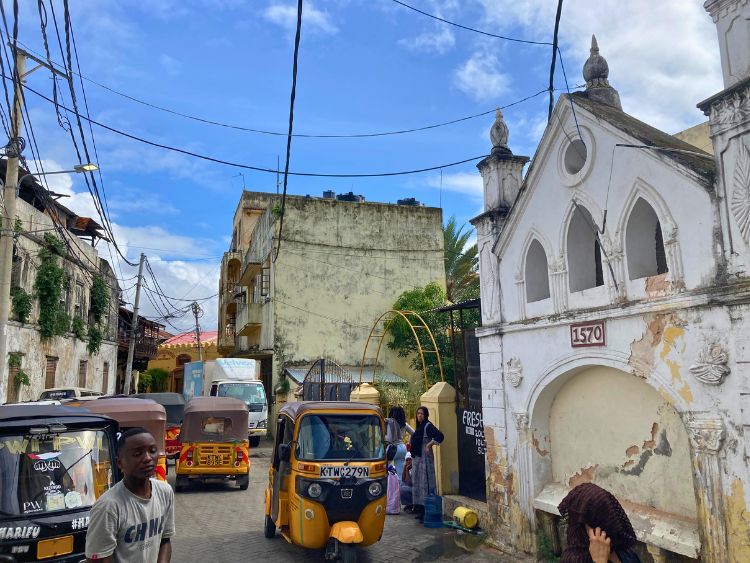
395	428
425	436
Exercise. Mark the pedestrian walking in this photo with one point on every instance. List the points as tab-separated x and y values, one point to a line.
425	436
134	520
599	531
395	429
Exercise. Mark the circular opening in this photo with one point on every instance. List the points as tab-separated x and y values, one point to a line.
575	156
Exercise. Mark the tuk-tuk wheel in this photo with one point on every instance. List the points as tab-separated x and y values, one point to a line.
347	553
269	529
243	482
181	484
254	441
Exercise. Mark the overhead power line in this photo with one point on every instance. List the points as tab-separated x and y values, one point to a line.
291	123
281	133
248	166
467	28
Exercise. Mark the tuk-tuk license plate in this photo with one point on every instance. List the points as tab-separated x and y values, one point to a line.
213	459
339	471
54	547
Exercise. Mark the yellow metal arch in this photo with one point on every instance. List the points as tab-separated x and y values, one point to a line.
416	325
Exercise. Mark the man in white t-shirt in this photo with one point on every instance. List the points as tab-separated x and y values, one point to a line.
134	520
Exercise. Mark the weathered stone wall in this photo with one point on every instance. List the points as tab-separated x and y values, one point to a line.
25	339
341	266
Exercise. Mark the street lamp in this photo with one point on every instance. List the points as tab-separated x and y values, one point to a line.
77	169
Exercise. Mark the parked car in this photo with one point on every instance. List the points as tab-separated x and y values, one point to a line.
67	393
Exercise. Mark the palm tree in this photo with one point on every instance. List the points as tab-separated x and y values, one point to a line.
461	263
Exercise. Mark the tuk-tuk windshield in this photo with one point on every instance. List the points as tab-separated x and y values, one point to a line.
249	393
42	474
340	437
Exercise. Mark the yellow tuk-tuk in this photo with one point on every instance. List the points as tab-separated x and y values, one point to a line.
131	413
214	442
327	482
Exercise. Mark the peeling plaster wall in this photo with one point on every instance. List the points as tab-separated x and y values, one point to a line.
69	351
349	261
627	434
25	339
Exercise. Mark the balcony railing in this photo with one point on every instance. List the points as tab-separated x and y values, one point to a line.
260	247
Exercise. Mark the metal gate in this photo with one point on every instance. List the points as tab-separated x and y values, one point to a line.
468	380
327	381
471	444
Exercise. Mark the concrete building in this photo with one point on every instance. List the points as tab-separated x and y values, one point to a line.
180	349
616	309
62	359
343	262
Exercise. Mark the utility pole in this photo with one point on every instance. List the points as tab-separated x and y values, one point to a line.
8	220
133	328
196	312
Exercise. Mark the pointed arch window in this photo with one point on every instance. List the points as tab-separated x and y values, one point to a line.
644	242
584	252
536	273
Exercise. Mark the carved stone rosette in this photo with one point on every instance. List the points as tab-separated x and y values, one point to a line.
740	203
514	371
711	366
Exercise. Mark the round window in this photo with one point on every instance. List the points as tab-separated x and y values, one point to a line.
575	156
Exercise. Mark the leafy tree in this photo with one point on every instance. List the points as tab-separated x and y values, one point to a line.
158	378
461	263
422	300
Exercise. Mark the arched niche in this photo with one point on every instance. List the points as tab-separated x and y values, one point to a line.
644	242
536	273
583	252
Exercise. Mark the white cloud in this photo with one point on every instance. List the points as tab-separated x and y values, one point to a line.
462	182
313	19
480	77
440	40
172	66
663	56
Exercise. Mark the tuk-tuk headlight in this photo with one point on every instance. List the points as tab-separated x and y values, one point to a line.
314	490
375	489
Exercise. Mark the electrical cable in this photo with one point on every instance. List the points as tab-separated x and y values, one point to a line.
257	168
291	125
297	135
552	64
505	37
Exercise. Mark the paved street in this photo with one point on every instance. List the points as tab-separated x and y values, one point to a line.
219	523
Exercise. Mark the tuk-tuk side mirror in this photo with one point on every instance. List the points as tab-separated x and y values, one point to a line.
285	452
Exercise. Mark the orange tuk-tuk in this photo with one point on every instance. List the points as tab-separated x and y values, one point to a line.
214	442
131	413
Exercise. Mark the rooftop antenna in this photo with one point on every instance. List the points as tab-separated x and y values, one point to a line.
243	180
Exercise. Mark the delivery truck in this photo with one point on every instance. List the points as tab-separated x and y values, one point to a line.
238	378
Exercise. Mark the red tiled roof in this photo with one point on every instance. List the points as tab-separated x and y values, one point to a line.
188	338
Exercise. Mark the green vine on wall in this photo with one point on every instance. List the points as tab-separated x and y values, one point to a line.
49	284
22	378
97	309
78	328
21	304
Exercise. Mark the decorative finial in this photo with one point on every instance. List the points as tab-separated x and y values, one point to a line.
499	133
596	74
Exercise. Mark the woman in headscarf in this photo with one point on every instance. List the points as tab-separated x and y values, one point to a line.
395	428
599	531
425	436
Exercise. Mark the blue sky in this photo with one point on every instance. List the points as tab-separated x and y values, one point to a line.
365	66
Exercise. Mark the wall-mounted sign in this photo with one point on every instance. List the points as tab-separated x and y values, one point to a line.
588	334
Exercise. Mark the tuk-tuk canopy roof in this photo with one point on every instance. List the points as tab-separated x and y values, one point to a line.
131	413
295	410
200	408
163	398
20	415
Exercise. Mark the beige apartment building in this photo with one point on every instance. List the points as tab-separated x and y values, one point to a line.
342	263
